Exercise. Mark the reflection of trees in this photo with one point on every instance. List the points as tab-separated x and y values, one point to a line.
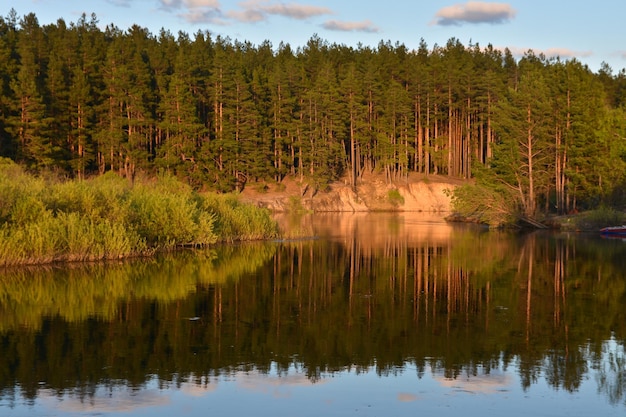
611	371
97	290
462	304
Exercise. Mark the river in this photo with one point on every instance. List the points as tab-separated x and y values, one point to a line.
379	314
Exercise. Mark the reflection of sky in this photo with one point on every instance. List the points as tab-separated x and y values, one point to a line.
490	383
352	393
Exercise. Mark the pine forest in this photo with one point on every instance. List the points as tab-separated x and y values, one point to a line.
223	114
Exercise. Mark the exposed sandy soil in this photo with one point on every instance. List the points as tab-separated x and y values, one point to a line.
418	192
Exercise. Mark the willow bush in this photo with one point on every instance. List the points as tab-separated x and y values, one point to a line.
109	217
493	206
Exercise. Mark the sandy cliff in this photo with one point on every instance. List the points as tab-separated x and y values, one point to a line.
418	193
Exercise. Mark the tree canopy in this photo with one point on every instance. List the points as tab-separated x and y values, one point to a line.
222	113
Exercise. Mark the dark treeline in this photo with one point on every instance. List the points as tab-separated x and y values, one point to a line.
220	113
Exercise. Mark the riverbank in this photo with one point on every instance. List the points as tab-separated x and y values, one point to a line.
47	220
590	221
415	193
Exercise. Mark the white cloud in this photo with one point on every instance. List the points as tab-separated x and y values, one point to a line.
474	12
203	16
190	4
364	26
294	10
250	11
259	10
119	3
196	11
247	16
563	53
171	4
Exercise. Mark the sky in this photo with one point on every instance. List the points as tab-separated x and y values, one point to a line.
591	31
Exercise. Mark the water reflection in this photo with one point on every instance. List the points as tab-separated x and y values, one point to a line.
385	295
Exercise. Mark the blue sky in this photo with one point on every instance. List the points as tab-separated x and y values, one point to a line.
591	31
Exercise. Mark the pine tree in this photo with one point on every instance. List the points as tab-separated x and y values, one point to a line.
523	128
84	93
256	132
180	124
418	90
30	123
126	127
354	101
222	146
489	86
590	146
58	81
8	72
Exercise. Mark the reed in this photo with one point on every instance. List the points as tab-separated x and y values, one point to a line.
238	221
107	217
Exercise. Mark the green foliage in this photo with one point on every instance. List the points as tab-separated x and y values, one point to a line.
108	218
395	198
601	217
219	114
492	206
238	221
294	205
82	291
163	218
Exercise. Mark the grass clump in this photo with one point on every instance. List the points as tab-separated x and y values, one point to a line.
107	217
601	217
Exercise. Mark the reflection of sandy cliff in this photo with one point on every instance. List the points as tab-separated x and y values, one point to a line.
375	230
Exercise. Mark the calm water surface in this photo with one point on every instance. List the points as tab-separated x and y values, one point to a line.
379	315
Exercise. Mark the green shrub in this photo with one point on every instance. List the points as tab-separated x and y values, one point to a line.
238	221
294	205
599	218
395	198
119	242
109	218
493	207
29	243
18	189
